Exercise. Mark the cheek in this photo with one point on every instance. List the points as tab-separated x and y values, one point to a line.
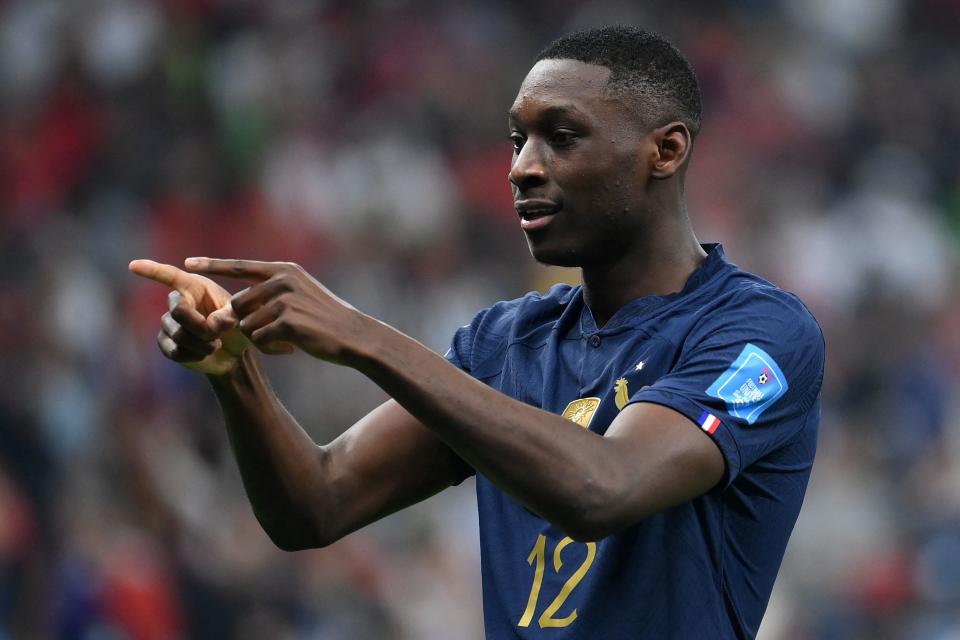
605	188
612	197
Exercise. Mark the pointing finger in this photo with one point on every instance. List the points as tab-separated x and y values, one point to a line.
241	269
165	274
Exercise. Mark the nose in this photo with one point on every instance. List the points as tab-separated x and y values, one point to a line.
528	168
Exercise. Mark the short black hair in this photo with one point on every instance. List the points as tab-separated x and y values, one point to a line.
646	70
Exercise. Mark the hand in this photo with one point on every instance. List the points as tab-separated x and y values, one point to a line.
199	329
288	306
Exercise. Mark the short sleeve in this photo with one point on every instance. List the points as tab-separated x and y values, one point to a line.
749	373
460	353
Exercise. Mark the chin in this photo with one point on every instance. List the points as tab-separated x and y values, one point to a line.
556	257
583	252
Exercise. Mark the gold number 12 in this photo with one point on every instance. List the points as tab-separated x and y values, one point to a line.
539	555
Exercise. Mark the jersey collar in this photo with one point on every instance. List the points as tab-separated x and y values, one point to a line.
639	308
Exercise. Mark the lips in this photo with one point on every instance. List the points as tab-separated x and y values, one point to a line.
535	213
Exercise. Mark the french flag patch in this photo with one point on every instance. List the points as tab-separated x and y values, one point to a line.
709	422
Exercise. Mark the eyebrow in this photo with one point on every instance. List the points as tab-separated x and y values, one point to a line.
552	112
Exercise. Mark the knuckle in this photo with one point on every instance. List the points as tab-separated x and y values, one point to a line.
179	312
172	327
290	268
167	348
281	281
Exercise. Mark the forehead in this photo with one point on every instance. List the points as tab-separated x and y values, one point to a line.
561	82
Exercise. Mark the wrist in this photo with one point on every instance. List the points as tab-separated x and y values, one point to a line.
239	374
368	344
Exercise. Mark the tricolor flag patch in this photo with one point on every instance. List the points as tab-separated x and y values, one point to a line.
709	422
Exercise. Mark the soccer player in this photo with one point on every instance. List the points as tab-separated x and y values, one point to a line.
642	443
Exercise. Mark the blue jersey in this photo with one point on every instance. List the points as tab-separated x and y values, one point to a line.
743	360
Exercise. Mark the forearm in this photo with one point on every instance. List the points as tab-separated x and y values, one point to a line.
555	468
279	463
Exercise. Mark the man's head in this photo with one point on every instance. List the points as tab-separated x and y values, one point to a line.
602	128
646	72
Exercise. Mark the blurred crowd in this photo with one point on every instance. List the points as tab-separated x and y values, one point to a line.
367	141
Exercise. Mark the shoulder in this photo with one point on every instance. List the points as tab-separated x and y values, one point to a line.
755	317
527	312
745	315
527	319
747	303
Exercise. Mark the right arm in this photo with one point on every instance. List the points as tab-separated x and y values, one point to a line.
303	495
306	495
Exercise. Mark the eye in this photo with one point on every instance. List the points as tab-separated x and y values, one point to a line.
563	138
517	140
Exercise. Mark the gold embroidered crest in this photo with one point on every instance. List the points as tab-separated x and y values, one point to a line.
581	411
622	393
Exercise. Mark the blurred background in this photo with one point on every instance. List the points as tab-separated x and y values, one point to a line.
367	141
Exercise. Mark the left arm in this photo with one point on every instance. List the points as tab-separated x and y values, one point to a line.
589	485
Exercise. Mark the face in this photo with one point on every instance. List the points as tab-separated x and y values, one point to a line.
581	163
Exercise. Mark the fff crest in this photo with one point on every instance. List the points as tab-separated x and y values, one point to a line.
581	411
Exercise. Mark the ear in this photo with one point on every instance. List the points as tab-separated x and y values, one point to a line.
673	142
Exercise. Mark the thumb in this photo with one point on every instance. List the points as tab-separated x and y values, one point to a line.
223	319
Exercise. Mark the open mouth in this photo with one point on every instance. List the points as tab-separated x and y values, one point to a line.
536	220
536	214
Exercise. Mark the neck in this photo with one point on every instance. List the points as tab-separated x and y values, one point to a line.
659	269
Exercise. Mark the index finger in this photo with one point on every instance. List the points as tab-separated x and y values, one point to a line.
165	274
241	269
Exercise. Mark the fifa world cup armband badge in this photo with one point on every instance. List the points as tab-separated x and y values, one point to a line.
750	385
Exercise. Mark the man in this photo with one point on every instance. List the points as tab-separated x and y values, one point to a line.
642	443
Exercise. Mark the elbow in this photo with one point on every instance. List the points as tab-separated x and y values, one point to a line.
292	537
608	510
587	533
300	521
290	543
595	514
589	529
